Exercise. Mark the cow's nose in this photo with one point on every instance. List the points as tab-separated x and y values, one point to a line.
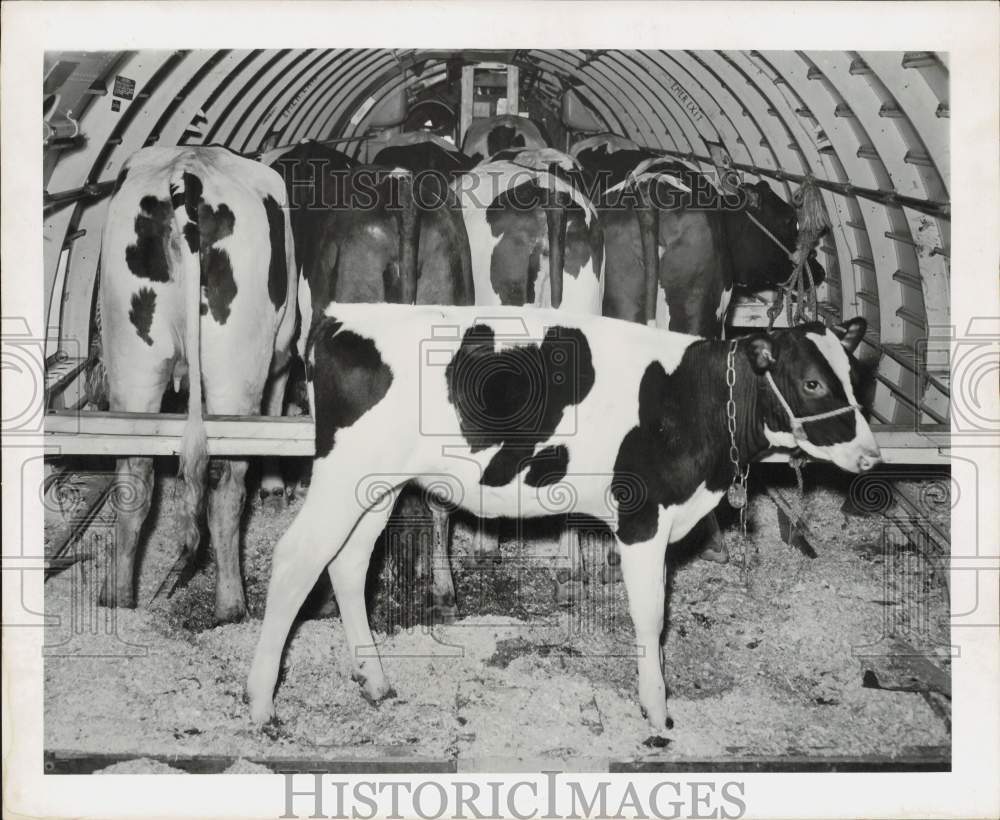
868	460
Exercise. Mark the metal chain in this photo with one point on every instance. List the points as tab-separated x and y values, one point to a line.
737	493
744	557
734	452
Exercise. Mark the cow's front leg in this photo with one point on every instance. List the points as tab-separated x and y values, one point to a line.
227	480
645	579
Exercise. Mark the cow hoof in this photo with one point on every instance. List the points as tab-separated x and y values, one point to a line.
377	697
273	501
611	575
117	599
230	613
328	609
568	592
262	712
486	560
716	553
444	613
662	722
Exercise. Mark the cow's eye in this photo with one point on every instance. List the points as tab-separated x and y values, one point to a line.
812	385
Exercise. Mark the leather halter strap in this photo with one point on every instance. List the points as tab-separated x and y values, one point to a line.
771	236
798	431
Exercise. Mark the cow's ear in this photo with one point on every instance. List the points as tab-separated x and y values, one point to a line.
851	333
760	352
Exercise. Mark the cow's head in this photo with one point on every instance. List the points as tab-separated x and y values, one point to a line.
805	394
758	262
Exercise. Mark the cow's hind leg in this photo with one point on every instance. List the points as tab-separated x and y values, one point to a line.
133	492
227	478
328	520
570	579
272	485
348	572
299	557
713	546
645	579
131	498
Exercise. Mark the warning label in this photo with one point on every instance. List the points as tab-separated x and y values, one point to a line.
124	87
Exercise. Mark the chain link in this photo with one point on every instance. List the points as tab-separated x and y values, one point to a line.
738	488
734	453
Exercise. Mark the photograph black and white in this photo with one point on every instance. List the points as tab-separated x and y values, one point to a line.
485	409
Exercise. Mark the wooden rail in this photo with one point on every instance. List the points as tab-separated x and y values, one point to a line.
389	760
159	434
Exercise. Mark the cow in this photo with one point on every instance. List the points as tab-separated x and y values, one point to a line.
420	151
387	232
486	136
675	248
534	237
629	421
197	286
673	256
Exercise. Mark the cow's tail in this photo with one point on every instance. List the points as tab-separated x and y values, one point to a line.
194	445
409	238
555	217
96	387
648	236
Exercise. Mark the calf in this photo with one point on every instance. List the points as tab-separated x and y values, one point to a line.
675	248
198	286
630	421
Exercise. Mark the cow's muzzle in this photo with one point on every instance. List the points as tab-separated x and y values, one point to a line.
868	460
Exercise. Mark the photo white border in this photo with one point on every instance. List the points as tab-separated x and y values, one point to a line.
967	31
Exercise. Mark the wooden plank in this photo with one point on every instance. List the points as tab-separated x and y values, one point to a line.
792	527
927	759
380	760
915	759
902	668
159	434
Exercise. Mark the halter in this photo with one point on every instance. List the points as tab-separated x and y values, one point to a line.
771	236
798	431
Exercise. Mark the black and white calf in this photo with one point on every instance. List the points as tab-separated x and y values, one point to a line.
632	419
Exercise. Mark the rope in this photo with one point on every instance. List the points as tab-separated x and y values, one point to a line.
813	223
